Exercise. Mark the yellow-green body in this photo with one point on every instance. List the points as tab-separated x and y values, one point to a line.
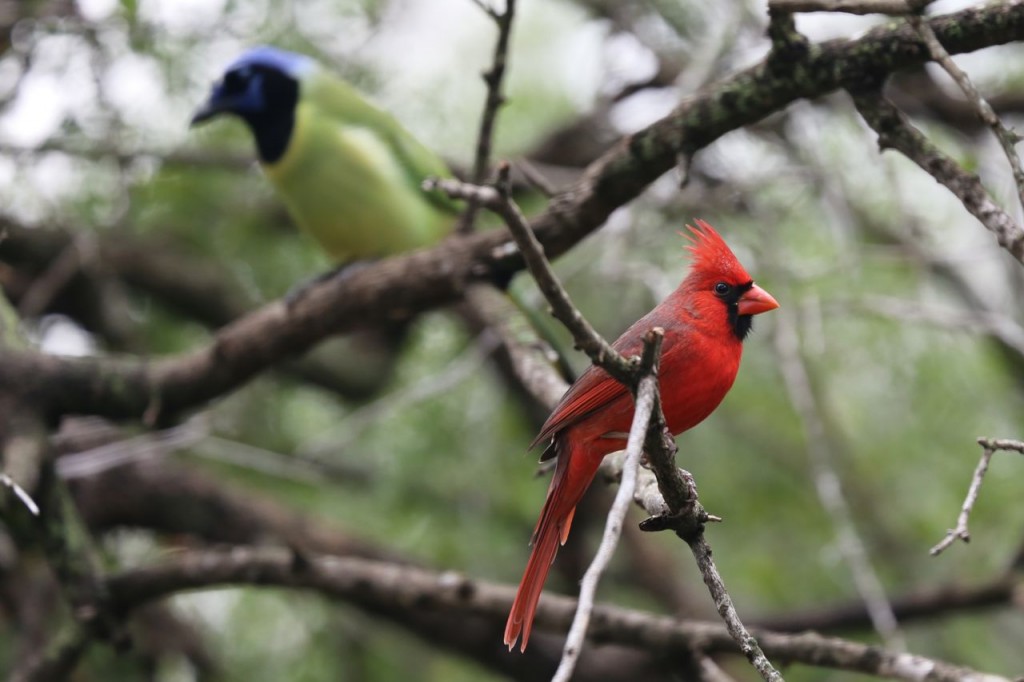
351	175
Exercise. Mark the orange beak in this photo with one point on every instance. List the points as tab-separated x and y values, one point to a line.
756	301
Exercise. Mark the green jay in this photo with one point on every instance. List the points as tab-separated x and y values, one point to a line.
348	172
350	175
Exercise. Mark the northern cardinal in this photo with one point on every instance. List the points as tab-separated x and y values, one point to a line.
705	321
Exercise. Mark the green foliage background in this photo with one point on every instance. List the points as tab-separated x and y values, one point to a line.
816	215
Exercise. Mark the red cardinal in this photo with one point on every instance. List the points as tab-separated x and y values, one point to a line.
705	321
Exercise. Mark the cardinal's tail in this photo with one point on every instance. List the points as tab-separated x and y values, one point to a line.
571	479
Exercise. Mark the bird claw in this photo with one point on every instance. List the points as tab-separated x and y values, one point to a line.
686	523
654	524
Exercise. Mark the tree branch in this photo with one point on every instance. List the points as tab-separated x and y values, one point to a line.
989	448
58	531
367	583
528	357
117	388
1007	140
646	398
492	104
896	132
153	267
586	337
920	605
172	499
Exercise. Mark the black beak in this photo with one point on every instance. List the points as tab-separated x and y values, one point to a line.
209	110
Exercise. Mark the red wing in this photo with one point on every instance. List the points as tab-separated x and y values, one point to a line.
591	391
595	389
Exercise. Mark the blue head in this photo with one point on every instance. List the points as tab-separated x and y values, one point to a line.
262	88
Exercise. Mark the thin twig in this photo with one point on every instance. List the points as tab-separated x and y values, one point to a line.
1007	139
646	397
493	77
584	335
45	288
989	448
536	179
723	602
127	451
828	485
530	357
20	493
348	430
686	517
1002	444
896	132
284	466
486	9
677	508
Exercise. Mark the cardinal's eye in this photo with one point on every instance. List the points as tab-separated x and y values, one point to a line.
722	288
